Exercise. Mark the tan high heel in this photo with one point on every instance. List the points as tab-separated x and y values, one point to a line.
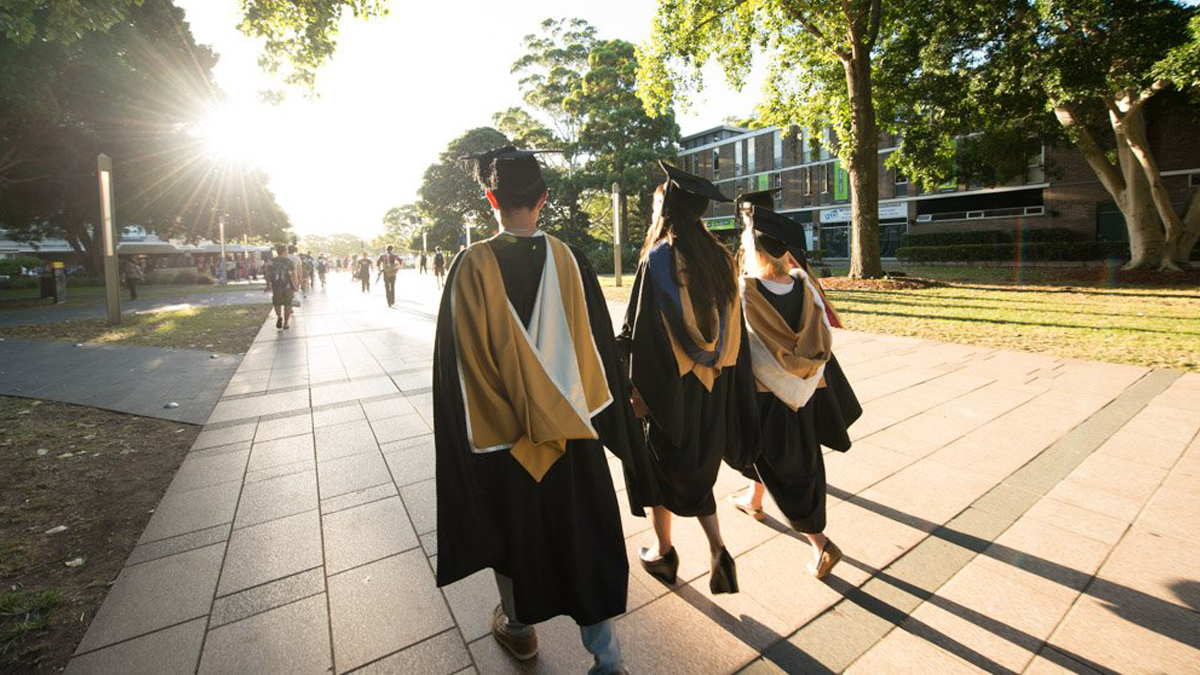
830	555
754	513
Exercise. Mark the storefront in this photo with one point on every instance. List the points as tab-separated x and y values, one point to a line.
835	229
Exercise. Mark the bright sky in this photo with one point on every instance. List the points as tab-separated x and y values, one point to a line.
397	91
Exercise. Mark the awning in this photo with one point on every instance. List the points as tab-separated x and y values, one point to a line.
145	248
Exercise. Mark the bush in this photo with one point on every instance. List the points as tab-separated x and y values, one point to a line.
19	283
1051	234
205	280
12	266
185	277
79	280
1008	252
954	238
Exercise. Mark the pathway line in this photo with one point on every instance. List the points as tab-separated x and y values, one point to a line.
847	630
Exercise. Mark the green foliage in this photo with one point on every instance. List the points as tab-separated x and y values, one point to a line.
552	69
133	92
62	21
402	228
12	266
24	612
525	130
1011	252
341	244
301	35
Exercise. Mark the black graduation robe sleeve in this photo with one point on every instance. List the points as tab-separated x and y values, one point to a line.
618	427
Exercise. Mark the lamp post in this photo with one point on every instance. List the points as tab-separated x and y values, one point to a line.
221	234
467	226
616	206
108	227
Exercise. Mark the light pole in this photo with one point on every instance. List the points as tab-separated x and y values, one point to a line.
616	206
221	234
108	226
467	227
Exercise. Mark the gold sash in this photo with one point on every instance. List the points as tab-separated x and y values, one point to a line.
797	356
529	389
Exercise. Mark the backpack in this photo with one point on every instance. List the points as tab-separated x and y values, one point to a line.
280	274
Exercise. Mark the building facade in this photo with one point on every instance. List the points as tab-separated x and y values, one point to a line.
1058	188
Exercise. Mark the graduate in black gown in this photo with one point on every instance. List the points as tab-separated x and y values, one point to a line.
690	369
805	400
528	392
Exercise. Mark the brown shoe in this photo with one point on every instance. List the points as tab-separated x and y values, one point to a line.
520	648
830	556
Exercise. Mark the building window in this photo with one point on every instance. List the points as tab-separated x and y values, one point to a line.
826	144
750	147
737	158
828	178
1194	179
777	152
806	178
901	185
1035	171
716	162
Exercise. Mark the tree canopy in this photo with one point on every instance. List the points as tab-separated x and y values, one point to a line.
133	91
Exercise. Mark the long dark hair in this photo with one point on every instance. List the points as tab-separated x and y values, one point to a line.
711	282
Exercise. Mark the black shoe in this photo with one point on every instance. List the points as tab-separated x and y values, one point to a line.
279	322
663	568
724	574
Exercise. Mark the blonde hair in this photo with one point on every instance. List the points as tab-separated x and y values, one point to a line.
758	263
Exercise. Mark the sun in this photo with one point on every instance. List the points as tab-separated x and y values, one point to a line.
231	134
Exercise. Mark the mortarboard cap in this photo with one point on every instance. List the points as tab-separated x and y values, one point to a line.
509	170
762	198
691	183
778	234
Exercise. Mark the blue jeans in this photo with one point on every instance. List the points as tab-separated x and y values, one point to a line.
599	639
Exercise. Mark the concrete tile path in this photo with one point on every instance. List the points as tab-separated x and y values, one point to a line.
1000	512
136	380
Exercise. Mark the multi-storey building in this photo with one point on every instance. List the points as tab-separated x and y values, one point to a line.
1057	189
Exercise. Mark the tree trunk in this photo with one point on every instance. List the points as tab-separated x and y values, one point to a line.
1181	252
1133	124
865	262
1141	218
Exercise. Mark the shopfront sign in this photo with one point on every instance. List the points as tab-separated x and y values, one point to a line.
841	214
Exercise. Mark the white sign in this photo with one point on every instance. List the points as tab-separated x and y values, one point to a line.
841	214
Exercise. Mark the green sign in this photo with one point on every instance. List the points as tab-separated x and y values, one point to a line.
762	182
721	224
841	183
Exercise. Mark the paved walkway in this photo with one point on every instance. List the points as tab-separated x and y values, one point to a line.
1000	512
247	294
136	380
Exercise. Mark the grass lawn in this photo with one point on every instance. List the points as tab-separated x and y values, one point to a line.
228	329
1090	313
78	489
25	298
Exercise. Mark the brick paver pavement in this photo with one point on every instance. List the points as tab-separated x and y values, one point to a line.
1000	511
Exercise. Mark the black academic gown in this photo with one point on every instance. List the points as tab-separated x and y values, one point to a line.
790	463
690	429
560	540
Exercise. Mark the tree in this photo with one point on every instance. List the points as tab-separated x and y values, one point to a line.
525	130
1016	73
299	36
132	92
622	142
822	60
402	227
552	69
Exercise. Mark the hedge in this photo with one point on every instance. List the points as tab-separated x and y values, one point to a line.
12	266
1008	252
1032	236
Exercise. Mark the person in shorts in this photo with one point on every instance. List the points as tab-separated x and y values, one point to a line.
283	277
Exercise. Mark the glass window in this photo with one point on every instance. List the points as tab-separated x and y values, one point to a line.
751	144
1035	171
835	241
716	162
777	152
901	184
737	158
826	144
889	238
806	178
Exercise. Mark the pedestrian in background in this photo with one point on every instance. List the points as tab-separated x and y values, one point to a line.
132	274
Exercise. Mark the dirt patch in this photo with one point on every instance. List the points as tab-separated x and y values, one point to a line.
99	474
885	284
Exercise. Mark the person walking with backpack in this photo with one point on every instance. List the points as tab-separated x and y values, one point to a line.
389	265
132	274
283	276
322	268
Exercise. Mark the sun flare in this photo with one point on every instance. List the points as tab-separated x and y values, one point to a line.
231	134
